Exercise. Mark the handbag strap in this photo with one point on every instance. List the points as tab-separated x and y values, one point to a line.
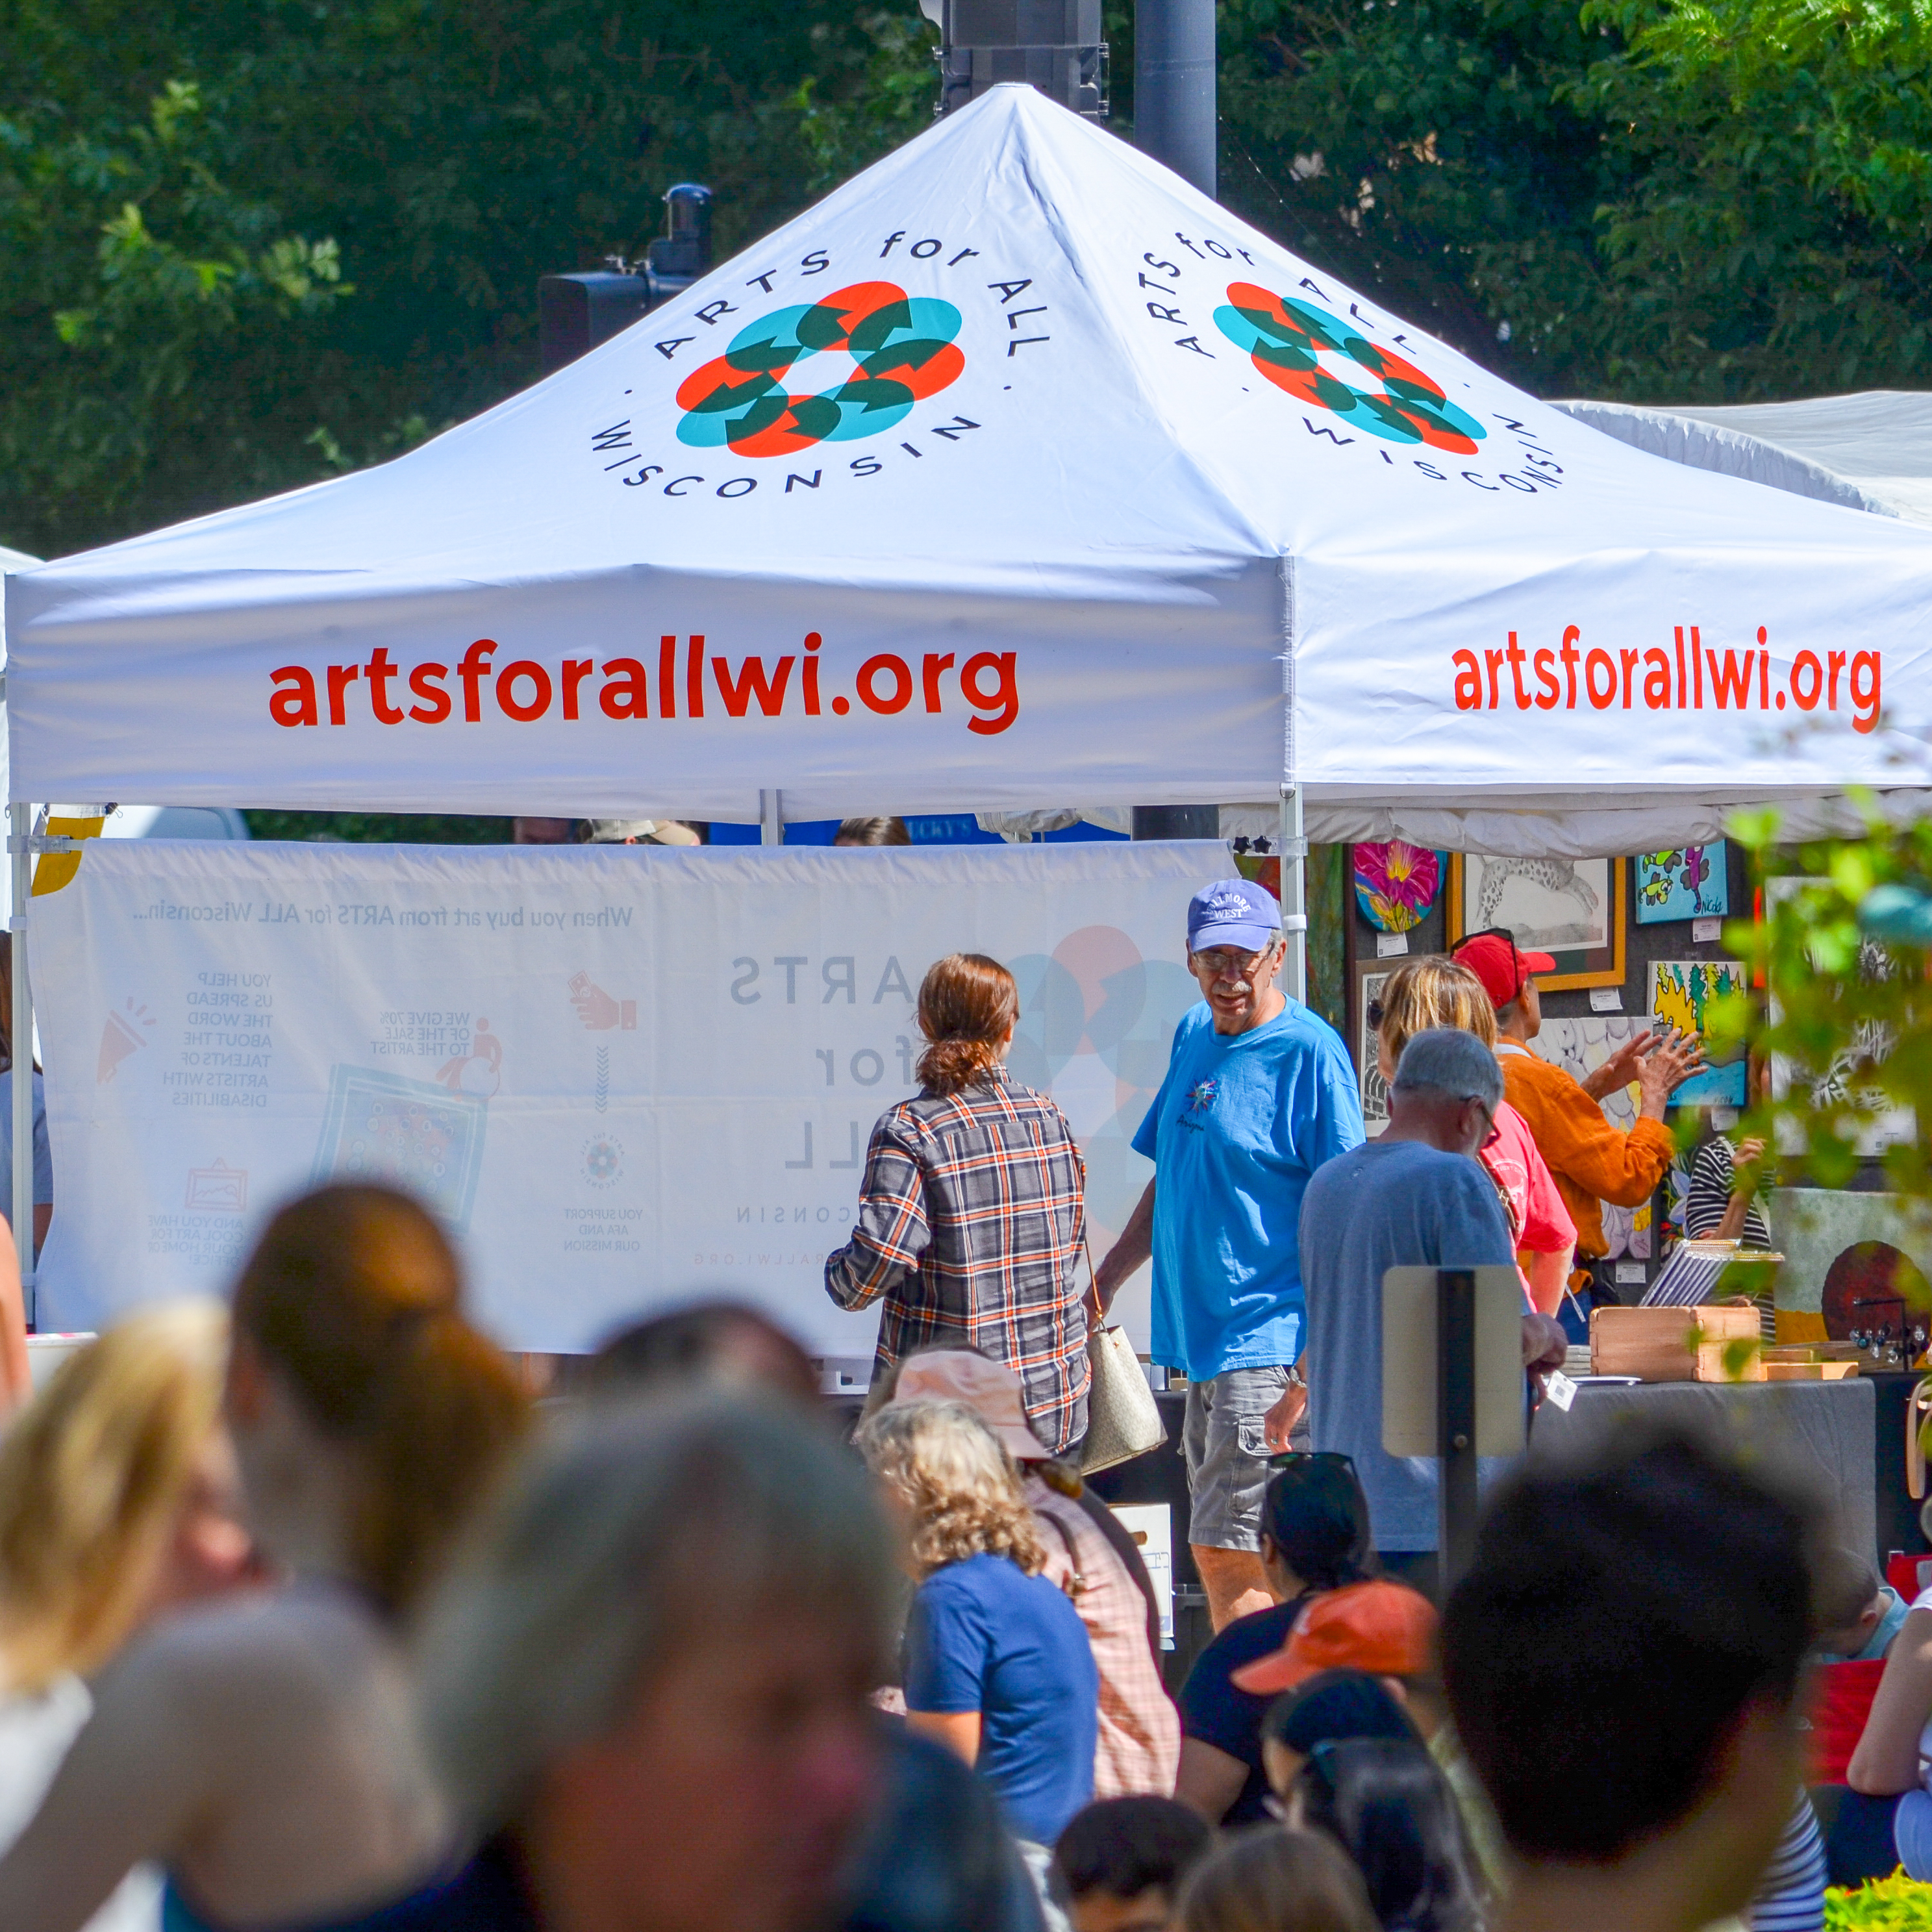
1076	1580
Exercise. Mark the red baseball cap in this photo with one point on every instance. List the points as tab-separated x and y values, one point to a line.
1385	1629
1502	966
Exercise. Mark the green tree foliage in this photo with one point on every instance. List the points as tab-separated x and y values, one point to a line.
1655	200
189	191
1840	962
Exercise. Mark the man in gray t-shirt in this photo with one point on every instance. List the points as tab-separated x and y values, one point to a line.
1416	1197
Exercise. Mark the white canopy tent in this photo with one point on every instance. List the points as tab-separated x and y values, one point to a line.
1872	450
1015	472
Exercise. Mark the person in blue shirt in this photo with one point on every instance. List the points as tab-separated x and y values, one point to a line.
997	1665
1259	1092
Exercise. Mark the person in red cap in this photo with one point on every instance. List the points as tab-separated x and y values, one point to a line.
1593	1161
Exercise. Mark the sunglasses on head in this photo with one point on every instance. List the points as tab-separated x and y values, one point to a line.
1290	1459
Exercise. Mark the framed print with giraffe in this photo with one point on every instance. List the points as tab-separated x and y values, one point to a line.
1572	909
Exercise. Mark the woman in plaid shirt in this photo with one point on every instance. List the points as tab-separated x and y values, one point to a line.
973	1209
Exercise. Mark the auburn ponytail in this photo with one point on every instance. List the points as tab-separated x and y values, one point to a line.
353	1295
967	1006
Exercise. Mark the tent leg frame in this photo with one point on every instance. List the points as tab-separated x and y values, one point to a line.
1293	896
20	1023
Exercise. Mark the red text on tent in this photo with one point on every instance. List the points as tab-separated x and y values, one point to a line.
1675	681
986	684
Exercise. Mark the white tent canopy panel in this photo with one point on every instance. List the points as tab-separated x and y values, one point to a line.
1015	472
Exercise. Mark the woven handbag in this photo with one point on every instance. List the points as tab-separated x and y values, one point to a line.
1123	1418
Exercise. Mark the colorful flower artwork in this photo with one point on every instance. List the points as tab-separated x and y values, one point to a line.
1396	884
1692	882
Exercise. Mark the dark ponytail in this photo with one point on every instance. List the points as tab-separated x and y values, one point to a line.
353	1295
1317	1517
967	1006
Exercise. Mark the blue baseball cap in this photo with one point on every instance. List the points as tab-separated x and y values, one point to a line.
1233	912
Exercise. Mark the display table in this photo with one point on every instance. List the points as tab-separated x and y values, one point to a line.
1825	1430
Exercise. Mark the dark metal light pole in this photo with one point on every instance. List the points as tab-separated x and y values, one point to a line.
1173	86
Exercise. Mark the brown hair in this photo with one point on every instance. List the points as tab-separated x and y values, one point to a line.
1263	1879
353	1295
871	832
1433	992
968	1005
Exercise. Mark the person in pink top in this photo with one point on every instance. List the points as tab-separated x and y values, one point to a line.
1439	992
1137	1752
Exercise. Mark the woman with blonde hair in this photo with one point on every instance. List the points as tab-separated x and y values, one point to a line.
266	1752
1422	994
997	1662
972	1211
118	1502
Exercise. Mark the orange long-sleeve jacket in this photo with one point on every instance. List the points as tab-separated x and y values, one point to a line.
1593	1161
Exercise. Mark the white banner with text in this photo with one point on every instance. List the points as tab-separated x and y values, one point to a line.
623	1076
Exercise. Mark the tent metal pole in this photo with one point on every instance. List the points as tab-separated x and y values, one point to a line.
771	820
20	1021
1293	896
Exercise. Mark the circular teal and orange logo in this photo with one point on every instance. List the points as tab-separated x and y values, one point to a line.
1318	358
871	351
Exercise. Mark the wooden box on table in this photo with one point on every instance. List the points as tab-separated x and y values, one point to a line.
1672	1345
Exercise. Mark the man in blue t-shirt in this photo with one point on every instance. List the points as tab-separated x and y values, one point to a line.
1259	1092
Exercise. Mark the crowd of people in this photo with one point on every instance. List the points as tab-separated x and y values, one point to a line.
309	1618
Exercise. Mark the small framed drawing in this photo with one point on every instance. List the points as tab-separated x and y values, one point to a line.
1572	909
1689	882
1681	993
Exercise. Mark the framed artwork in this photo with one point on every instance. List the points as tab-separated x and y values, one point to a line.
1681	993
1374	1091
1692	882
1396	884
1572	909
1581	1045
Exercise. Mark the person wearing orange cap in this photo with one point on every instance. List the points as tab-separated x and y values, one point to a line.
1385	1629
1593	1162
1137	1749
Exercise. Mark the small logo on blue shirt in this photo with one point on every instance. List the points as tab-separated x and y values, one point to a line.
1200	1104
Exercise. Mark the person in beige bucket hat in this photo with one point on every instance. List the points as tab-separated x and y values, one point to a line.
1137	1750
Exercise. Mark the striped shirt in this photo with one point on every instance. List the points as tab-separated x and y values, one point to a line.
1713	1174
1791	1894
971	1216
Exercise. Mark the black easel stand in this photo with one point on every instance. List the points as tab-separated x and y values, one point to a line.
1455	1424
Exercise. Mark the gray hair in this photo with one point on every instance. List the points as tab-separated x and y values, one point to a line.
1446	1059
621	1537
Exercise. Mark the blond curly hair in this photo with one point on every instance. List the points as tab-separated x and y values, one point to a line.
959	1485
1433	991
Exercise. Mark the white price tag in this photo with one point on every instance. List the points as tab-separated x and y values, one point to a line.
1629	1271
1560	1389
1390	945
1706	932
1606	999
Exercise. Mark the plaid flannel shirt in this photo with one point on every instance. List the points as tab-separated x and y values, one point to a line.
971	1216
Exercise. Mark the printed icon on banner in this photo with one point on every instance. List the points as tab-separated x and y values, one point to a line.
597	1010
603	1160
411	1133
120	1037
219	1190
479	1073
